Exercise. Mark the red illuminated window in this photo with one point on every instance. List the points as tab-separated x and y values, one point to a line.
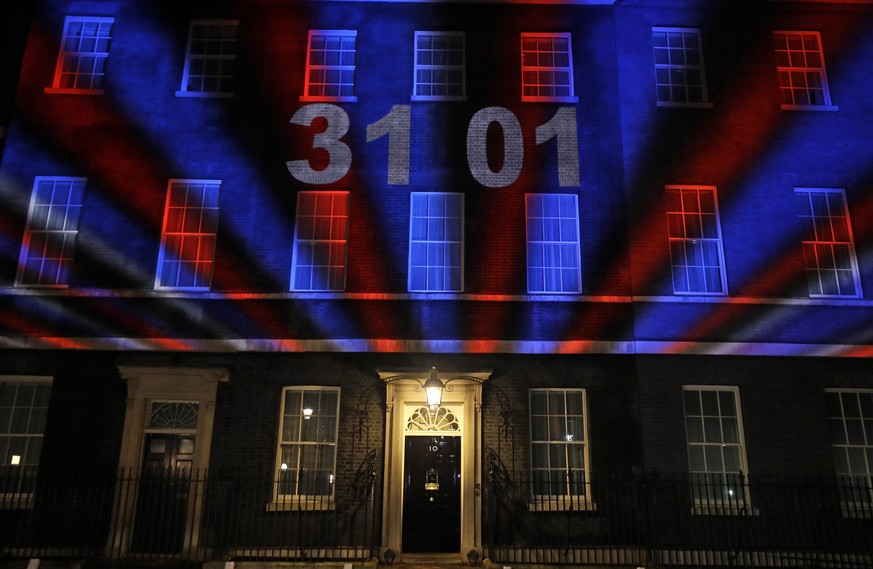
188	238
81	64
436	242
801	68
828	245
716	449
50	237
320	238
679	76
850	417
330	66
553	243
439	66
210	60
547	67
694	233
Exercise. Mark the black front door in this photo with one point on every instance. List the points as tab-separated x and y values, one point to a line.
162	493
432	494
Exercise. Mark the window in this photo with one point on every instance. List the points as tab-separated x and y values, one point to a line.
306	458
84	51
553	243
188	237
679	77
210	59
320	233
330	66
546	67
716	448
439	66
48	246
436	242
828	249
850	416
24	405
801	69
559	445
694	233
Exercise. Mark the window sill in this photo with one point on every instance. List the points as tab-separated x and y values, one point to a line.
716	510
297	504
672	105
428	98
550	99
65	91
311	99
203	95
579	504
809	107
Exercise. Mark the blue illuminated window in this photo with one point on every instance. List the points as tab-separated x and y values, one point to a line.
82	58
188	238
48	246
330	66
547	67
559	445
436	242
801	69
694	232
850	418
553	243
716	448
320	239
439	66
679	75
210	59
828	245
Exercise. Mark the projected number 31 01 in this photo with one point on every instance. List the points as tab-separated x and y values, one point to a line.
396	125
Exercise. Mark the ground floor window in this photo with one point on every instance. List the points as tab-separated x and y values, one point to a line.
850	415
559	444
23	409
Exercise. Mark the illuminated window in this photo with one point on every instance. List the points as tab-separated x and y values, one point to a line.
679	76
439	66
850	416
546	67
306	457
320	233
48	246
24	405
84	51
559	444
801	69
436	242
553	243
716	448
210	60
330	66
828	246
694	234
188	237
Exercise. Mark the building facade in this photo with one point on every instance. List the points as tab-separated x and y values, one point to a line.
629	243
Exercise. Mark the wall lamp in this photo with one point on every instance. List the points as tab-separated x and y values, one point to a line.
433	386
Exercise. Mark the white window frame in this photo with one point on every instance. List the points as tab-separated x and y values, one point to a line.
202	279
221	59
436	68
855	466
681	68
94	56
312	67
685	230
567	498
309	229
65	218
545	69
558	234
433	245
21	497
713	446
786	74
297	500
817	243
